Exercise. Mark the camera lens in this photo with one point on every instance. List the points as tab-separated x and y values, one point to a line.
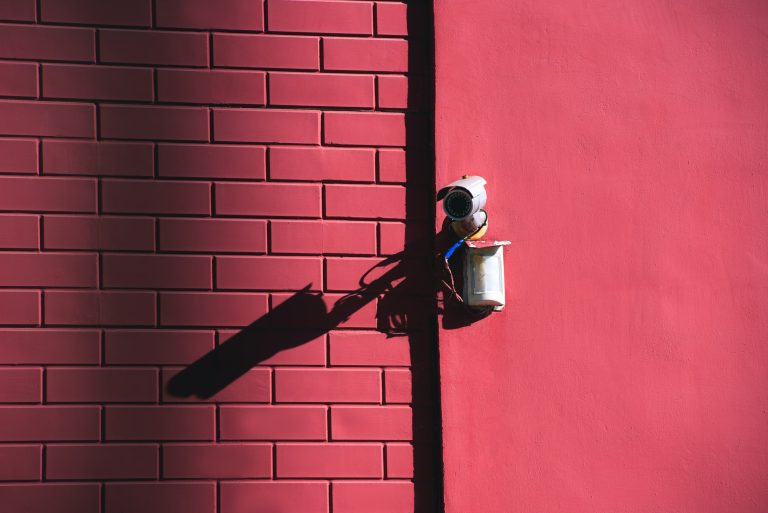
458	204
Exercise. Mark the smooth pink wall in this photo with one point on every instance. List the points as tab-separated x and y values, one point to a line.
625	145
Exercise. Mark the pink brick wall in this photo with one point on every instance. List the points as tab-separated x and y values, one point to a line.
189	190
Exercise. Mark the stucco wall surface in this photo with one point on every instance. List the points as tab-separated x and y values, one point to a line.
625	147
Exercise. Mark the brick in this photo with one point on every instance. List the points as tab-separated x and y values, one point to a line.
19	232
215	161
328	237
48	270
21	385
372	496
97	12
18	79
329	17
365	201
268	199
154	123
349	273
49	423
18	156
360	54
371	423
329	460
96	82
50	497
114	385
47	43
103	232
397	386
103	461
294	236
348	312
17	10
365	128
166	422
153	47
321	90
47	194
392	238
285	497
254	386
155	197
200	14
353	312
399	461
22	463
51	119
269	273
156	347
160	497
156	271
19	307
220	461
213	235
328	385
272	422
357	312
266	51
316	163
368	348
215	87
308	353
391	19
97	158
393	92
97	308
211	309
266	126
49	346
392	166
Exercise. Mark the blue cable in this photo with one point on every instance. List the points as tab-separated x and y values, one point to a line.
453	249
457	245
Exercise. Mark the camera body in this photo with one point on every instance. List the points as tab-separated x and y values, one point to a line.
463	202
463	198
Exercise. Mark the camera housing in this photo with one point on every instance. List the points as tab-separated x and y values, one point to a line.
463	198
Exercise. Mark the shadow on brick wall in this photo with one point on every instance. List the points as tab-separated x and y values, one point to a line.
113	152
401	286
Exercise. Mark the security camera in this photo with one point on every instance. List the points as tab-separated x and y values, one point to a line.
483	261
463	202
463	198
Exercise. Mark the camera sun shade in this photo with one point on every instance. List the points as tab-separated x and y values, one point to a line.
463	198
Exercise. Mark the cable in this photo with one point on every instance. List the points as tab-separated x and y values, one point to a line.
452	249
